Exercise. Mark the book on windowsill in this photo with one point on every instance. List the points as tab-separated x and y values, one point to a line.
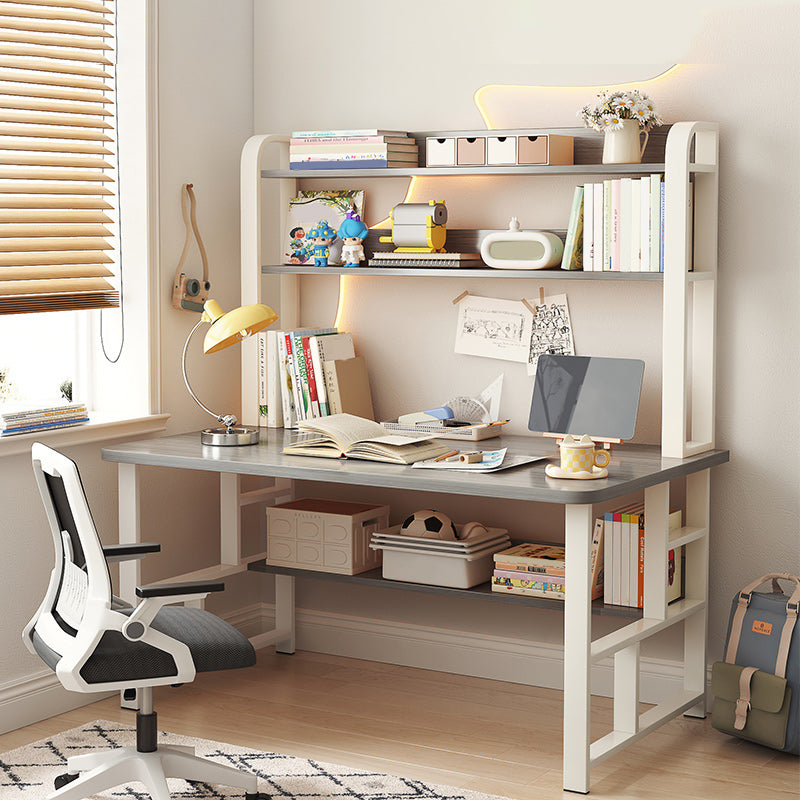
348	436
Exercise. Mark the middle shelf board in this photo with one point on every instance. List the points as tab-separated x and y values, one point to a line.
608	170
481	592
453	272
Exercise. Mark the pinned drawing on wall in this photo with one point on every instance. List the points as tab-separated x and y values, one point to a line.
552	330
494	328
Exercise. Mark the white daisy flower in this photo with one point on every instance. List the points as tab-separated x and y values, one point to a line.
612	122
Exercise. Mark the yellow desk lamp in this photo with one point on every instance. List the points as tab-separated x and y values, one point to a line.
225	330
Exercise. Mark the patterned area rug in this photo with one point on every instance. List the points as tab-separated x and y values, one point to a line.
27	773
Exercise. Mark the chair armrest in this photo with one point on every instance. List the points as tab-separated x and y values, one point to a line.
156	596
129	552
172	589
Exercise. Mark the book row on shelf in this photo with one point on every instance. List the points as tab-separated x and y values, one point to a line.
310	373
355	149
624	537
617	563
33	420
617	225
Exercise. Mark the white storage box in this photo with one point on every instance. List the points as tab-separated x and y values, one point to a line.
440	563
440	152
501	150
324	535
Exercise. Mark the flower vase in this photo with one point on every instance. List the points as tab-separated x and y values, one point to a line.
622	146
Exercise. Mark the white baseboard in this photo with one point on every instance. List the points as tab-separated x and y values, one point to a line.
477	654
36	697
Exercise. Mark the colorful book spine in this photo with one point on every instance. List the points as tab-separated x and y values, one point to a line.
534	581
313	394
354	132
262	376
552	590
318	141
377	163
529	568
44	426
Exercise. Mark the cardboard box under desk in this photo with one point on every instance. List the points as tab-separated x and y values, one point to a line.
324	535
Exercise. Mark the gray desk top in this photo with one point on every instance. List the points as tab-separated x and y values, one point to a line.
633	467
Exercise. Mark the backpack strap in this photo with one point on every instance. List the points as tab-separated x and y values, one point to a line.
788	626
743	703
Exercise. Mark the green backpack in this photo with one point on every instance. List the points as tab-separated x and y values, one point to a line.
757	688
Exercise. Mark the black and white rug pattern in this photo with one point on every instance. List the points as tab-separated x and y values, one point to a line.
27	773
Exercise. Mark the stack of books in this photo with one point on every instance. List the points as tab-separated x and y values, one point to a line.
539	570
624	558
623	225
308	374
353	149
42	419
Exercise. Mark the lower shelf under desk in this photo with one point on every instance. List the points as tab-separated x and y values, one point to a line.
481	592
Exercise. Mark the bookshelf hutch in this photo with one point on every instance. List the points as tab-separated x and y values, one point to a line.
687	153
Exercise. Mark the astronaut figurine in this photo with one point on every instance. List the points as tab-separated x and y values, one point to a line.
321	237
352	232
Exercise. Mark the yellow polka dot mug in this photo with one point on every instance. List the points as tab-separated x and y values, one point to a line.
580	455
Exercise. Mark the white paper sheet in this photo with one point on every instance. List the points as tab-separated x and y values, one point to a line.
494	328
551	330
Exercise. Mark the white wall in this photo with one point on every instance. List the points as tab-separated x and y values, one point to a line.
370	66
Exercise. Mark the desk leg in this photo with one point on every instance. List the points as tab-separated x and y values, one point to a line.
129	528
577	647
130	532
284	612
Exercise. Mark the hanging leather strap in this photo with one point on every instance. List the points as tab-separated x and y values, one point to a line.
788	626
743	703
189	208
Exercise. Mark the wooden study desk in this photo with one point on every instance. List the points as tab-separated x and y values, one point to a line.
633	468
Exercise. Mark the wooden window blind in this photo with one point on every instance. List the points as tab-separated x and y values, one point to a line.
57	140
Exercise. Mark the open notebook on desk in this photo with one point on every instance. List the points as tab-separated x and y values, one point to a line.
348	436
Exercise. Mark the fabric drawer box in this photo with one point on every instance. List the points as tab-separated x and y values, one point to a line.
324	535
546	148
471	151
501	150
440	152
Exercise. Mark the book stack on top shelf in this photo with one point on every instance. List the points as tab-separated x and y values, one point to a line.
32	420
352	149
539	570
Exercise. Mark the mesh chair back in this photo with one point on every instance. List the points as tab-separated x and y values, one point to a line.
80	574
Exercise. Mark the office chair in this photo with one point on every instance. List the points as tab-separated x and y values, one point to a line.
96	642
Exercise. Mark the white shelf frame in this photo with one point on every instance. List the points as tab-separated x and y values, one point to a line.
688	353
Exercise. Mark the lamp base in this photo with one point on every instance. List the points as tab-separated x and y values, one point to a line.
229	437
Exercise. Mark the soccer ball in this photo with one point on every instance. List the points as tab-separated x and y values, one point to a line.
428	524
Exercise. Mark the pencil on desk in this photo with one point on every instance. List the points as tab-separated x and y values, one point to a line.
446	455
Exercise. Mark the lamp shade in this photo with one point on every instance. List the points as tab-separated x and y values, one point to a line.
230	328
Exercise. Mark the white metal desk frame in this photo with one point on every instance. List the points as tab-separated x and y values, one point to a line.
580	652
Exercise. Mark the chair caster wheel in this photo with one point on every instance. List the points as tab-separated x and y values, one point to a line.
62	780
257	796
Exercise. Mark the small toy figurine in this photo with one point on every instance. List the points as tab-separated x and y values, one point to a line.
321	236
352	232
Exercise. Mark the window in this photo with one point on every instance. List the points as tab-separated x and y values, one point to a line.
57	128
56	155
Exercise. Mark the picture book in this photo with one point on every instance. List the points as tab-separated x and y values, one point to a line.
554	591
328	348
573	245
348	436
309	208
533	554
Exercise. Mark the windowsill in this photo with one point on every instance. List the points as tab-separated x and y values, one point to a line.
100	428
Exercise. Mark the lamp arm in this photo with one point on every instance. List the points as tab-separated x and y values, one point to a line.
229	420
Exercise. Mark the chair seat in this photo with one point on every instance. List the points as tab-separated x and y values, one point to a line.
213	643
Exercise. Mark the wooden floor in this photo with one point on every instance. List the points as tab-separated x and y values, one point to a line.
498	738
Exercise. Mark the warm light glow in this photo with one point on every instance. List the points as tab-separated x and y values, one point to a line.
386	221
340	307
485	114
